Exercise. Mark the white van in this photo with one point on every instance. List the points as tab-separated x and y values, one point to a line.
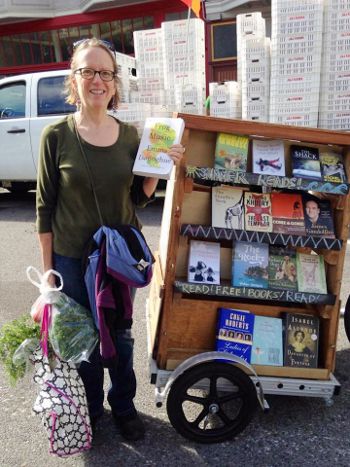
27	103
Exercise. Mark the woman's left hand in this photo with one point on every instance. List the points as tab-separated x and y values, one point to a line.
176	152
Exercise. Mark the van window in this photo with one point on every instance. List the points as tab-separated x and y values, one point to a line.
13	100
51	97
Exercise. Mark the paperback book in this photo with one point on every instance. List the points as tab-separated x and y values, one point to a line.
235	332
267	341
311	273
318	217
282	268
268	157
227	207
301	340
305	162
231	152
257	212
332	167
287	213
204	262
250	264
158	135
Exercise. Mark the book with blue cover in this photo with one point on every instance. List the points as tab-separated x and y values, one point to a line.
306	162
250	264
267	341
235	332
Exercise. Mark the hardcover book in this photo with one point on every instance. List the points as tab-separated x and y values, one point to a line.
267	341
204	262
287	213
250	264
227	207
332	167
158	135
301	340
231	152
311	273
318	216
282	268
268	157
305	162
235	332
257	212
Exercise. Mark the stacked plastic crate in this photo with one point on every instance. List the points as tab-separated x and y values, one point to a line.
225	99
255	78
149	54
334	105
126	66
296	45
250	25
184	64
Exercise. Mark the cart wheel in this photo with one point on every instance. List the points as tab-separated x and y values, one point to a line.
211	402
347	319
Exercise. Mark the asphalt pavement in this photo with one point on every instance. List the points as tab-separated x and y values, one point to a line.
297	431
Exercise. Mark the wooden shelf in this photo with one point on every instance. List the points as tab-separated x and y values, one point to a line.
208	174
218	233
229	291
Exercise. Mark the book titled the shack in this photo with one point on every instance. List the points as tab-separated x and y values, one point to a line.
301	340
305	162
152	159
235	332
231	152
250	264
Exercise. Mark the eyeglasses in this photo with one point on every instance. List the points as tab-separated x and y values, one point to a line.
107	44
89	73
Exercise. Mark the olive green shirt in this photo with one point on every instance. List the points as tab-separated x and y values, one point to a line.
65	201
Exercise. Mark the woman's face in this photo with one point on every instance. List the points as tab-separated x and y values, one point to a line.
94	93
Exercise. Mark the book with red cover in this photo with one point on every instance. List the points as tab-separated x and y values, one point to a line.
257	212
287	213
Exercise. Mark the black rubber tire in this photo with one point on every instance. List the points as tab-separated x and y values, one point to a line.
347	318
244	396
21	187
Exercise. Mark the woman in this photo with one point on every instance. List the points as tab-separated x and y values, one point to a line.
67	215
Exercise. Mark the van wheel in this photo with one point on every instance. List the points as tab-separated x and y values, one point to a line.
21	187
211	402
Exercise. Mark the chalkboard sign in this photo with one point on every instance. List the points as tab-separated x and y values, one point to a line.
223	41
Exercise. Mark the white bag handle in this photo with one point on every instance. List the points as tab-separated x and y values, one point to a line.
42	281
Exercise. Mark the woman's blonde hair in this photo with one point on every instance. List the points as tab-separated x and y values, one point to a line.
72	97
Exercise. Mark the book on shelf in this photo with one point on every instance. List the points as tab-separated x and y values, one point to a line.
287	213
231	152
267	341
301	340
204	262
158	135
318	216
332	167
268	157
305	162
257	212
235	332
250	264
282	268
227	207
311	273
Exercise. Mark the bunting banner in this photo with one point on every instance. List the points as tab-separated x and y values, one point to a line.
195	6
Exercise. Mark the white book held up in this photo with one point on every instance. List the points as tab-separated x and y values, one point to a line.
268	157
204	262
158	135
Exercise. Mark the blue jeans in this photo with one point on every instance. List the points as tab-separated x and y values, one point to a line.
123	382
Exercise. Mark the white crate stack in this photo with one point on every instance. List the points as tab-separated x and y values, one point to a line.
184	64
248	25
126	66
225	99
149	54
334	104
255	78
296	45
